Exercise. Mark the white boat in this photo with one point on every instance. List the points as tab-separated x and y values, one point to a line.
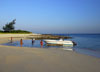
59	42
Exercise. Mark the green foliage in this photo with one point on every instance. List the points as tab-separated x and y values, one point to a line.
1	31
9	26
19	31
16	31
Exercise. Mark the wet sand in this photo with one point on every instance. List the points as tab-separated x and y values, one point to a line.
23	59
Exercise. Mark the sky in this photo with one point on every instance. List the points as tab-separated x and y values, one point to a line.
52	16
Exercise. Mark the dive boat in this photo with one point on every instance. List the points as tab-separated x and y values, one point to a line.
60	42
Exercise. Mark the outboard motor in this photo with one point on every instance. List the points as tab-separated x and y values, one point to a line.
74	43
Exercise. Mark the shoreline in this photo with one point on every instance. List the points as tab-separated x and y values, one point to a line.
25	59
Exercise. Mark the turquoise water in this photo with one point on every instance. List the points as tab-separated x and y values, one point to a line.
86	43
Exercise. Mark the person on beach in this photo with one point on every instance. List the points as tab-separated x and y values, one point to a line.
33	41
21	42
11	39
41	42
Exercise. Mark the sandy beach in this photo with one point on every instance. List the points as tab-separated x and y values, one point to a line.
24	59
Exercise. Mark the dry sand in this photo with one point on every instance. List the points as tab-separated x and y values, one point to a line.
23	59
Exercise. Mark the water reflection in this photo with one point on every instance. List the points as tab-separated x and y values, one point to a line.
68	48
35	43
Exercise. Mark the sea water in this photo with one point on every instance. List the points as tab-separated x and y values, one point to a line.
86	43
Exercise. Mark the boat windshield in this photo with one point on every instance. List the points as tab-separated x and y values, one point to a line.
61	39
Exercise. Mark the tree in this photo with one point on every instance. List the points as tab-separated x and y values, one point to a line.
9	26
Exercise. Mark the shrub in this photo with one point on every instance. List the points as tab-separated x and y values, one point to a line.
19	31
1	31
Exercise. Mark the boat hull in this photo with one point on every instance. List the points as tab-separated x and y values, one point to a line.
58	42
